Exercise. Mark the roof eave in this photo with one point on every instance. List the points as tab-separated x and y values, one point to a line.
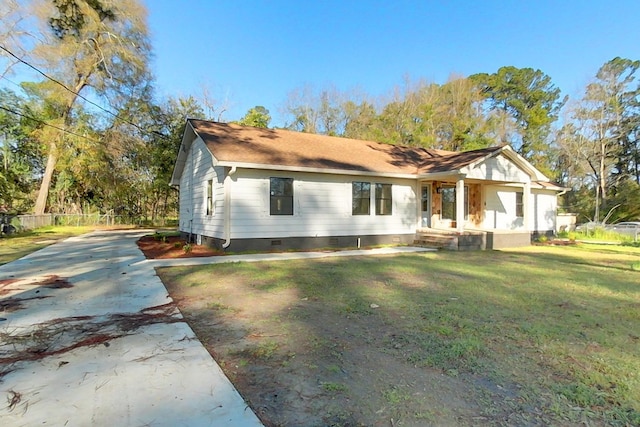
285	168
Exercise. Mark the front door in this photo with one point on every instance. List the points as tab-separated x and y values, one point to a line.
426	205
449	205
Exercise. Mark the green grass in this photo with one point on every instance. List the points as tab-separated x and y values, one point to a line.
562	324
598	235
16	246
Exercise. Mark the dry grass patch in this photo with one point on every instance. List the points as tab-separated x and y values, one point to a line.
538	336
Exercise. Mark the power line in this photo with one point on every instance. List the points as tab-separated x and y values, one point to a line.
79	95
48	124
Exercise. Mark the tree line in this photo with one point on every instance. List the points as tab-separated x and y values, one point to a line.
589	145
88	134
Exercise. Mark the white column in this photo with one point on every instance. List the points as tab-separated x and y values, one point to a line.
460	204
526	209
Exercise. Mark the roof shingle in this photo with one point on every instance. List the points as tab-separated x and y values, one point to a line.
231	143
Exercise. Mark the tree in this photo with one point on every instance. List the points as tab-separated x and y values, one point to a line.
603	127
20	157
257	116
530	99
88	46
10	33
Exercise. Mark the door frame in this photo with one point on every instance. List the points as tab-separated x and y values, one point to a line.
425	216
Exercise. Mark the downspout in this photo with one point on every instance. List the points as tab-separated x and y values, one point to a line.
227	208
191	201
555	220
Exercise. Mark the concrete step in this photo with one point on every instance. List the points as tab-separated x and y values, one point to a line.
436	241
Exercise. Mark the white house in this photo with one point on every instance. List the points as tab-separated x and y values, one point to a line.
249	188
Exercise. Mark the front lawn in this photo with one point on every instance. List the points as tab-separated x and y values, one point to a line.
18	245
534	336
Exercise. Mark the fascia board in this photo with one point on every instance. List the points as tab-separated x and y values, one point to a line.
241	165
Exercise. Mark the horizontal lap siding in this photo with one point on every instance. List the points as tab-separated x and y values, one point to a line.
544	204
500	209
322	207
498	168
193	193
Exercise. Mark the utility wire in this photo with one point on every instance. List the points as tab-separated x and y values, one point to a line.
48	124
80	96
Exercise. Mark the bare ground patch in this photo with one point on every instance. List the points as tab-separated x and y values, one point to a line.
300	359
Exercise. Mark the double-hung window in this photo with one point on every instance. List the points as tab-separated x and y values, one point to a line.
520	204
384	201
210	204
281	196
361	198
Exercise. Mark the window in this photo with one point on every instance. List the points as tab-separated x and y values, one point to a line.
384	201
448	194
210	205
361	201
281	192
520	204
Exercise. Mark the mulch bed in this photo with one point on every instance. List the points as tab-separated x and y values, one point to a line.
556	242
172	247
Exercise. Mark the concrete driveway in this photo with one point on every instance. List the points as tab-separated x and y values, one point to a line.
89	336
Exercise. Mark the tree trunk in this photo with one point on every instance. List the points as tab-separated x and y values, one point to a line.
602	171
43	194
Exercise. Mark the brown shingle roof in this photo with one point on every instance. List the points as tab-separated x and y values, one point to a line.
232	143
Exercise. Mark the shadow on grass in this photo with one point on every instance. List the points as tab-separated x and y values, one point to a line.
519	325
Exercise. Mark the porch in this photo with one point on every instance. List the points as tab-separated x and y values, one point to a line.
471	239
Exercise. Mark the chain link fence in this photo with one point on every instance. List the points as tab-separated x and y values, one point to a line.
12	223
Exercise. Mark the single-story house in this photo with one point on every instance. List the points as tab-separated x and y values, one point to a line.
245	188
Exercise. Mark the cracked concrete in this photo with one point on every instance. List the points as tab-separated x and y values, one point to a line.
90	336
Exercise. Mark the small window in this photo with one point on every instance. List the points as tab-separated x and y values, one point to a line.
519	204
361	201
384	201
281	194
210	205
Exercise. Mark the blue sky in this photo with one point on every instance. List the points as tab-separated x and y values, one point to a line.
255	52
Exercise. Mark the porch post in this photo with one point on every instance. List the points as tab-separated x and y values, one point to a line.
460	204
526	209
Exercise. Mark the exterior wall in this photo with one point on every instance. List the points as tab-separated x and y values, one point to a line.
322	207
500	208
498	168
543	206
193	197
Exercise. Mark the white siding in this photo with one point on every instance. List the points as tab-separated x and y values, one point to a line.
498	168
322	207
500	208
193	193
543	207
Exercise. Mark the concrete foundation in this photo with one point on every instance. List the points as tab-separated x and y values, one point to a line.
307	243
